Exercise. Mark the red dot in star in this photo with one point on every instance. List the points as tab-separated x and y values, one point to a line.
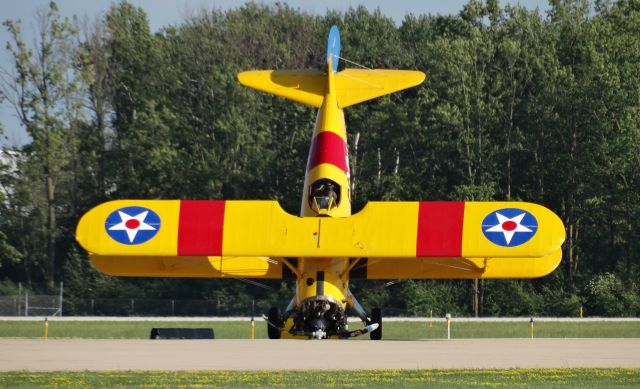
509	225
133	224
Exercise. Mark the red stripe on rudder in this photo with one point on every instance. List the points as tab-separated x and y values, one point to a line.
440	229
200	227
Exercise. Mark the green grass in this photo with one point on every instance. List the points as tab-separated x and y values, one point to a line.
460	330
392	330
523	378
124	330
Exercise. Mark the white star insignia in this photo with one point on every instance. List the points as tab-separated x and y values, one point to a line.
509	226
132	224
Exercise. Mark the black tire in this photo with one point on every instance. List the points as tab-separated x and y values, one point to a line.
376	317
275	318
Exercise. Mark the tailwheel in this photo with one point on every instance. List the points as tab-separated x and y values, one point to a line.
376	317
274	323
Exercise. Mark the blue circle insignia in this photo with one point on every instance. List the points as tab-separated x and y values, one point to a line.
509	227
132	225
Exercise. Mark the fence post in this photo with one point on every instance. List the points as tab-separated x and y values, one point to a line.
132	307
19	298
173	307
61	288
26	303
253	321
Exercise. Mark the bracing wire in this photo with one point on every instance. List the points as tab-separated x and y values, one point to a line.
462	265
356	78
354	63
361	80
255	283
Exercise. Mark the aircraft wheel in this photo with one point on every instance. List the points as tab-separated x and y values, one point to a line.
376	317
275	318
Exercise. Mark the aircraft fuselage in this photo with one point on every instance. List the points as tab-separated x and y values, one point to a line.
322	283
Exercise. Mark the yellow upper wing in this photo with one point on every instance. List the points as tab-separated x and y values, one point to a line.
262	229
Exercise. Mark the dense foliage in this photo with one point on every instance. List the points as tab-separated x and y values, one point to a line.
517	106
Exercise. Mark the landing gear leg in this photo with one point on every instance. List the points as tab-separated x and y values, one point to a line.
274	319
376	317
362	314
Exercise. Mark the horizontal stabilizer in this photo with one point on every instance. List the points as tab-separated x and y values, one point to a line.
353	86
302	86
263	229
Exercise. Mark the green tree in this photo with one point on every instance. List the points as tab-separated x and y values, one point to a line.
43	90
516	106
8	253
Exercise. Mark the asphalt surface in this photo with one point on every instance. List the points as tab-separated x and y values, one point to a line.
182	355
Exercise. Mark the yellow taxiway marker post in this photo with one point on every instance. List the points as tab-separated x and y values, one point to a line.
581	312
448	317
46	327
253	321
531	323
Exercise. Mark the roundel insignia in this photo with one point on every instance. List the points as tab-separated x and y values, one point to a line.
509	227
132	225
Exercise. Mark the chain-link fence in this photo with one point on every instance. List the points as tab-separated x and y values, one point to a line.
161	307
31	305
11	306
27	303
50	305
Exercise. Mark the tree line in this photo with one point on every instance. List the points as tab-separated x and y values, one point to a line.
516	106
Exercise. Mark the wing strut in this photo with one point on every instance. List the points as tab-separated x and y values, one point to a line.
346	271
291	267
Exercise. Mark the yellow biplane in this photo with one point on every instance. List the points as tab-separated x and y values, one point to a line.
326	245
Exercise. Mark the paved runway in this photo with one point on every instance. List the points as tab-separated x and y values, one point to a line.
84	354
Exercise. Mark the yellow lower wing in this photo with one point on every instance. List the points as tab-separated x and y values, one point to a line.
198	266
371	268
456	268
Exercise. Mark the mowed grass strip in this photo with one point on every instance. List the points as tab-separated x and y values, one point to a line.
520	329
524	378
124	330
391	330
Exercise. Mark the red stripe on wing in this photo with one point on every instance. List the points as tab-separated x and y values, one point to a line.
440	229
328	147
200	228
